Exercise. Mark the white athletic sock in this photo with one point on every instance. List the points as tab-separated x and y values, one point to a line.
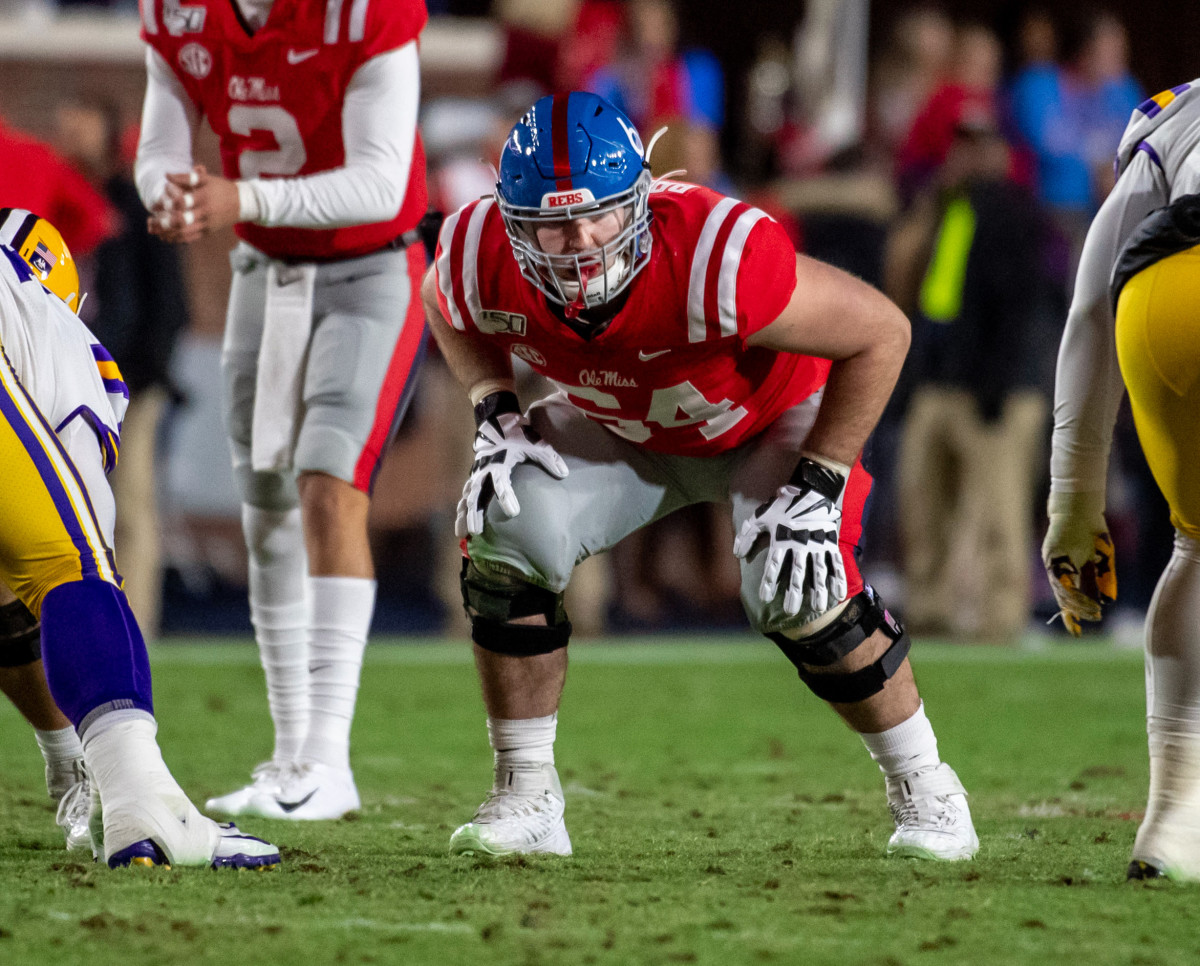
139	795
1170	833
279	611
523	740
124	760
62	751
341	619
908	747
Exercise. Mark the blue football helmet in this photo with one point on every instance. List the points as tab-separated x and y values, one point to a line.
575	156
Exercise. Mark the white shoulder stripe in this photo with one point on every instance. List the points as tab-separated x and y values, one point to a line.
358	20
149	21
731	260
471	258
700	259
333	20
444	275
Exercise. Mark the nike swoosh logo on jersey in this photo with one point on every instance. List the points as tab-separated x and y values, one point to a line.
647	356
300	56
290	807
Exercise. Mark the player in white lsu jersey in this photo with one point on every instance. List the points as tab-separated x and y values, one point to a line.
48	349
1134	325
61	403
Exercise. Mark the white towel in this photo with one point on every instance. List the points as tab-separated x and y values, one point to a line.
278	390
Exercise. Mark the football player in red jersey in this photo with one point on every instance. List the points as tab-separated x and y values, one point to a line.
698	358
315	106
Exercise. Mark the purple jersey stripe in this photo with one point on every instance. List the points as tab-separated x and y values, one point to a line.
101	354
54	488
116	387
109	439
1147	148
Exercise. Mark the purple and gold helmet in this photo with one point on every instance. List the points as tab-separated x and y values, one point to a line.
42	247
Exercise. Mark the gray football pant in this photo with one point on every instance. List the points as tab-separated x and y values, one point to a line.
616	487
359	307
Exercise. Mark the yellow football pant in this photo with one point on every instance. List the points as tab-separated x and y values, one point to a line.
48	532
1158	347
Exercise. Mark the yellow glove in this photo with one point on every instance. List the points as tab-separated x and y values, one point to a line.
1078	557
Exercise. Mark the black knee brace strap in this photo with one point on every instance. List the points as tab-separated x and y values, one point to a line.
20	636
862	617
493	600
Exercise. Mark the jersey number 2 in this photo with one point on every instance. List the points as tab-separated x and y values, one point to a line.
286	159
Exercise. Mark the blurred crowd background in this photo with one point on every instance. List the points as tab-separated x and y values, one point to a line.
951	154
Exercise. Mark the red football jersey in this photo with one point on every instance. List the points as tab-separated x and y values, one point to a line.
274	97
37	178
672	371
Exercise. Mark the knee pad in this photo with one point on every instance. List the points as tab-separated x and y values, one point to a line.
20	636
272	536
493	600
274	491
863	616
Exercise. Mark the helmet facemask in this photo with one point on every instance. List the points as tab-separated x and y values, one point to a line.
580	280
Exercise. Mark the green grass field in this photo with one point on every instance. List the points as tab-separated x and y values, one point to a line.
720	815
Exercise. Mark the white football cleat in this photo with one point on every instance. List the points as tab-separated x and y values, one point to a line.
154	831
1167	842
309	792
74	810
266	778
932	819
522	813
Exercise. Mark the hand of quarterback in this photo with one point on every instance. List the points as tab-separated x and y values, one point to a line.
802	524
1078	556
195	203
501	442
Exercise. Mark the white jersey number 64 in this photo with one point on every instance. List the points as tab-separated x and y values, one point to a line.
670	408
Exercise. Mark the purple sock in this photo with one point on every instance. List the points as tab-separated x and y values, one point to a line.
93	651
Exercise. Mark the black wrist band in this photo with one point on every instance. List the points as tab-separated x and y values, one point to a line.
495	403
811	475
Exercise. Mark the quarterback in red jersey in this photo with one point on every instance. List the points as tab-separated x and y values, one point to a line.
315	107
698	358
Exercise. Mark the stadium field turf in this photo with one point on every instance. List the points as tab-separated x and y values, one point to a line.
720	815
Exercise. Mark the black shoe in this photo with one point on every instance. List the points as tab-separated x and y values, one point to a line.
1143	870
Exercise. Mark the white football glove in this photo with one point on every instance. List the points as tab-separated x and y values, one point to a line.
802	524
502	441
1078	556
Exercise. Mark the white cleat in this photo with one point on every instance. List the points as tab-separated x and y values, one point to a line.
310	792
932	819
74	810
267	779
523	813
152	831
1167	845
